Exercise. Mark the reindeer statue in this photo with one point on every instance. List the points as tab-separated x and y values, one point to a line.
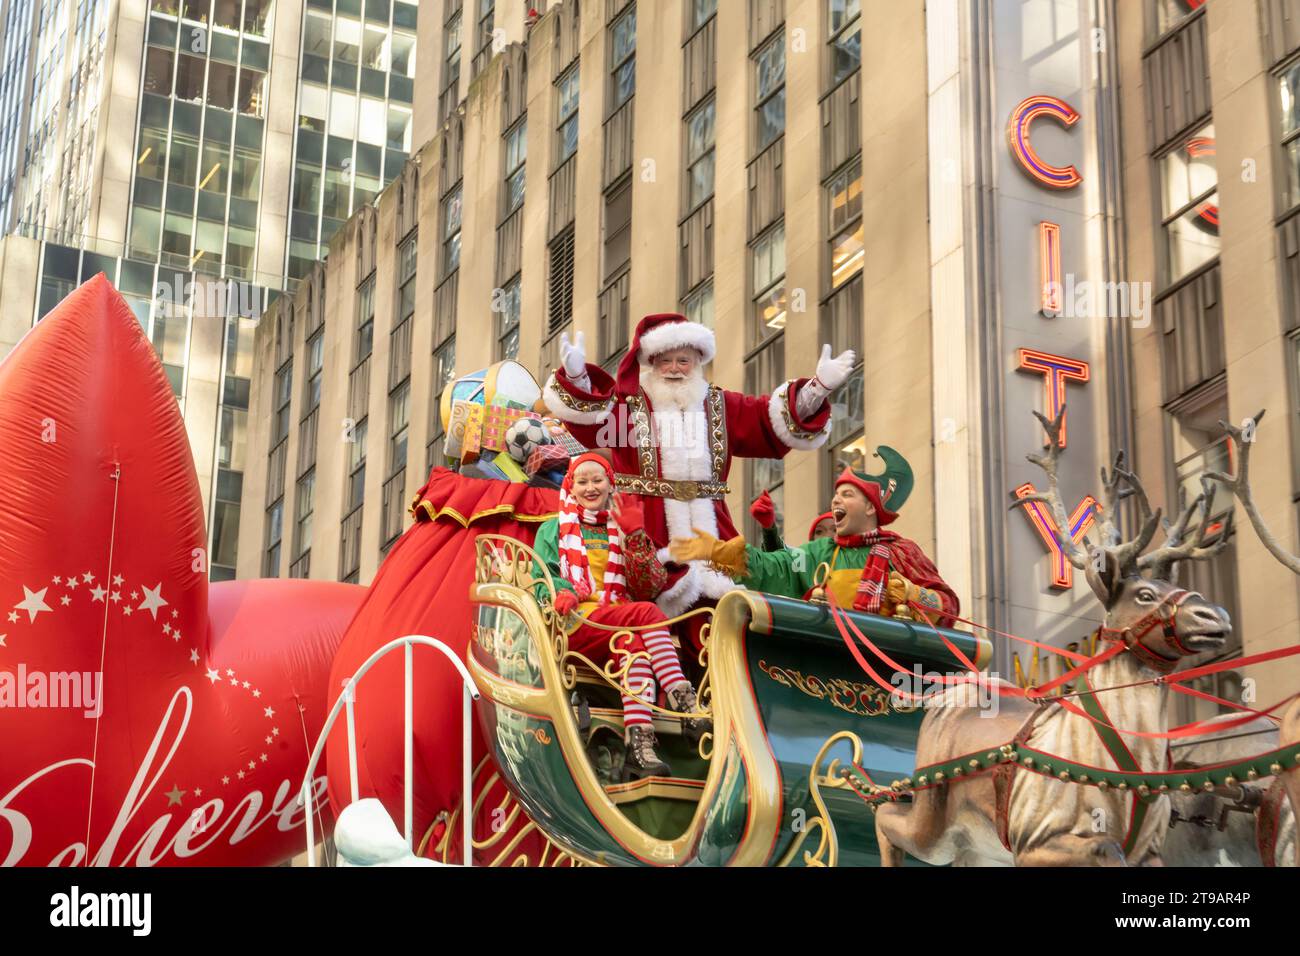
1015	816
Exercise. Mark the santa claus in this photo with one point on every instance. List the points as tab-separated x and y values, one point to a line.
672	434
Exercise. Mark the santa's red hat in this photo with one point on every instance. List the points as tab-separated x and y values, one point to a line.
660	333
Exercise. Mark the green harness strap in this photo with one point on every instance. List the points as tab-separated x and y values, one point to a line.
1123	757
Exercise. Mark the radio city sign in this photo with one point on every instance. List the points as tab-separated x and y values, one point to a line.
1057	297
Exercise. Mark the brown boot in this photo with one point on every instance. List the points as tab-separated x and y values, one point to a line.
641	760
684	701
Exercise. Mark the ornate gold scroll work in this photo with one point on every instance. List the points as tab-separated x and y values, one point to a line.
827	852
850	696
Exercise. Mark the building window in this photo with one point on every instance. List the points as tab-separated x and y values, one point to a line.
274	532
622	70
365	319
700	128
516	155
768	260
701	12
845	38
764	371
1170	13
769	87
304	506
399	408
508	321
844	216
444	373
225	524
559	281
1289	88
406	263
698	306
618	229
566	130
847	446
356	490
315	362
451	74
283	394
1190	203
486	22
451	233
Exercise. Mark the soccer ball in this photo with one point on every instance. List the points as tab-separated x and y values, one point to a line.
524	436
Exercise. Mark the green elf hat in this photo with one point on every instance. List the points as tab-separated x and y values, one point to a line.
887	491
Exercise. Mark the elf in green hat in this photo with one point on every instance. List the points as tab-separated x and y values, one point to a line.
871	569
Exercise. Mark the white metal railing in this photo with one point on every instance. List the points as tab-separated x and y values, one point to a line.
347	701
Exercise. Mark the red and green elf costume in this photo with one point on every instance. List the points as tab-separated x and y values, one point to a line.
605	571
859	565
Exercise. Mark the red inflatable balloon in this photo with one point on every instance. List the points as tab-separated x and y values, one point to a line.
145	717
423	587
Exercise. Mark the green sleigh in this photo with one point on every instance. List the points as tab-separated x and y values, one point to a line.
791	711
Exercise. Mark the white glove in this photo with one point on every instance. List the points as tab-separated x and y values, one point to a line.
574	359
831	374
834	372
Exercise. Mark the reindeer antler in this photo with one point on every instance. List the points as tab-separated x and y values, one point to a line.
1126	552
1076	555
1239	485
1178	545
1117	485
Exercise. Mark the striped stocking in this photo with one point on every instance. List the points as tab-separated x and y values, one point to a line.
636	710
663	659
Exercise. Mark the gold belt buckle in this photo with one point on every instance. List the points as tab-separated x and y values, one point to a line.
686	490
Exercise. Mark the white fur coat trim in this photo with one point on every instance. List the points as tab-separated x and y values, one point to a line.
777	407
551	395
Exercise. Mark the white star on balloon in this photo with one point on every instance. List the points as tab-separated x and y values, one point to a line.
97	594
153	600
33	603
194	655
213	675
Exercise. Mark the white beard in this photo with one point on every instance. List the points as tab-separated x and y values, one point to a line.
682	434
680	425
685	395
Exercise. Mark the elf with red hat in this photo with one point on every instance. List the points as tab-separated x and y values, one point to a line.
673	435
605	572
871	569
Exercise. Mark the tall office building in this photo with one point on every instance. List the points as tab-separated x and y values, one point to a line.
1002	205
200	153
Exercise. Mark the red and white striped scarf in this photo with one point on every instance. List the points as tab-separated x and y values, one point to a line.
875	574
573	552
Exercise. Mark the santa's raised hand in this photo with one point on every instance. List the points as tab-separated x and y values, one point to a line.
831	374
573	356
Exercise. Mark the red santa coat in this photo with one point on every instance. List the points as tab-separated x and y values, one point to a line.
650	445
